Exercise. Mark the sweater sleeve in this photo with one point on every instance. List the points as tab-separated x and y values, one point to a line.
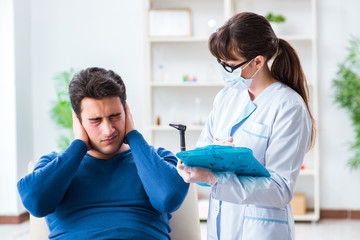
157	170
42	189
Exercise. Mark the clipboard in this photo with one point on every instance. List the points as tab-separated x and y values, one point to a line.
217	158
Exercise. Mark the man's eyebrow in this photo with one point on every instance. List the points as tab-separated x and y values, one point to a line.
115	114
95	118
99	118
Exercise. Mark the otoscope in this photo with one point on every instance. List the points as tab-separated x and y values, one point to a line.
182	129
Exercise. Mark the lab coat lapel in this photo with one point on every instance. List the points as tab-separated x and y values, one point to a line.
248	110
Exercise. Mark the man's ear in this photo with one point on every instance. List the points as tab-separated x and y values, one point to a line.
79	117
124	106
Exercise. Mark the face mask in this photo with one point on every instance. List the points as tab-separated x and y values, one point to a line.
235	80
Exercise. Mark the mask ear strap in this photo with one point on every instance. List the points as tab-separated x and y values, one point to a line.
256	72
248	63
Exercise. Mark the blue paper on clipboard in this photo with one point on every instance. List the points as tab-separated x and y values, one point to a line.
217	158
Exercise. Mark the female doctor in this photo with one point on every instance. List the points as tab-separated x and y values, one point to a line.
264	109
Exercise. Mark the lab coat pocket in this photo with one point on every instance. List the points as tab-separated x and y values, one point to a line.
255	136
265	223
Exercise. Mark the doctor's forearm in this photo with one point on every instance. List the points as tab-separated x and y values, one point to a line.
250	190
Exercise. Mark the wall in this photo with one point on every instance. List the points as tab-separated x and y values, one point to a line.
65	34
109	34
41	38
7	113
15	98
78	34
24	124
339	187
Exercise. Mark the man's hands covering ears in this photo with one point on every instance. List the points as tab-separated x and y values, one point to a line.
79	131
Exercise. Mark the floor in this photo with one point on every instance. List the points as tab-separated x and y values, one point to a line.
324	229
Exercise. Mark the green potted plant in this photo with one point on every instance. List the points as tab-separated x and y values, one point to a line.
347	94
61	111
275	21
273	18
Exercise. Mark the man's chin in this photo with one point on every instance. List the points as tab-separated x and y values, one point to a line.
105	152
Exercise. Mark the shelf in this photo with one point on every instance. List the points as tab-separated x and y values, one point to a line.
168	128
307	172
187	84
309	216
205	39
297	37
177	39
168	97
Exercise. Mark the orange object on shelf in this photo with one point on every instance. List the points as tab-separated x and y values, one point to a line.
298	204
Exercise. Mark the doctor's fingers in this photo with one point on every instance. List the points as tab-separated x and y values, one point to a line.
199	175
227	142
181	166
186	176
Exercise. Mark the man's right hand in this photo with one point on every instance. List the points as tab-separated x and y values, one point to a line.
79	131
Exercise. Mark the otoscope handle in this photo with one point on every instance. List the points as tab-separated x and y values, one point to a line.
182	141
182	129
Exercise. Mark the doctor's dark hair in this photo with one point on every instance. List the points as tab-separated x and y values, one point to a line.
95	83
249	35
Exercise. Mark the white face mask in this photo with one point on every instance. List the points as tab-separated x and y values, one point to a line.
235	80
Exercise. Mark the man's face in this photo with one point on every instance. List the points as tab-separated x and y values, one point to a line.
104	122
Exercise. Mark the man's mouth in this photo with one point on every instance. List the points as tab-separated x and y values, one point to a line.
110	139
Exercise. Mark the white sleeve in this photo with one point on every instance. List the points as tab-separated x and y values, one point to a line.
284	155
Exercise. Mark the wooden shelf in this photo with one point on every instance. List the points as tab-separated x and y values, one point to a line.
307	172
309	216
297	37
177	39
187	52
168	128
205	39
187	84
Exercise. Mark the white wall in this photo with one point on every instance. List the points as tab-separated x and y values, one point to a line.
339	186
15	98
80	34
7	113
108	33
24	124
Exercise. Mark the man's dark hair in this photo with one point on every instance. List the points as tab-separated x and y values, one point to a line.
95	83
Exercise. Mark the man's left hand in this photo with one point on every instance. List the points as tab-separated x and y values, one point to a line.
129	122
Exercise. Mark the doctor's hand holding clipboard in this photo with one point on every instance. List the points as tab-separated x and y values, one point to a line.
264	107
201	175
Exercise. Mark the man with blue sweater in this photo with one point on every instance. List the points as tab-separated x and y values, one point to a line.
109	183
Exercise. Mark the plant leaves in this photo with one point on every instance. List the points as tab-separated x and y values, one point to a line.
61	111
347	93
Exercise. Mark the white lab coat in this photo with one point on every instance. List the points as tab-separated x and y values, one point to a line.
276	126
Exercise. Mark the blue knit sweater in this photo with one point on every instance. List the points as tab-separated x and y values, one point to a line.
129	196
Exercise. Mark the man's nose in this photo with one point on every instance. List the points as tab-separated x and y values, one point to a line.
107	128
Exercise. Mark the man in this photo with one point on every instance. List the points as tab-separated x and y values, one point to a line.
101	186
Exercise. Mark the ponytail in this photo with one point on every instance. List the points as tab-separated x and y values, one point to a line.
287	69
